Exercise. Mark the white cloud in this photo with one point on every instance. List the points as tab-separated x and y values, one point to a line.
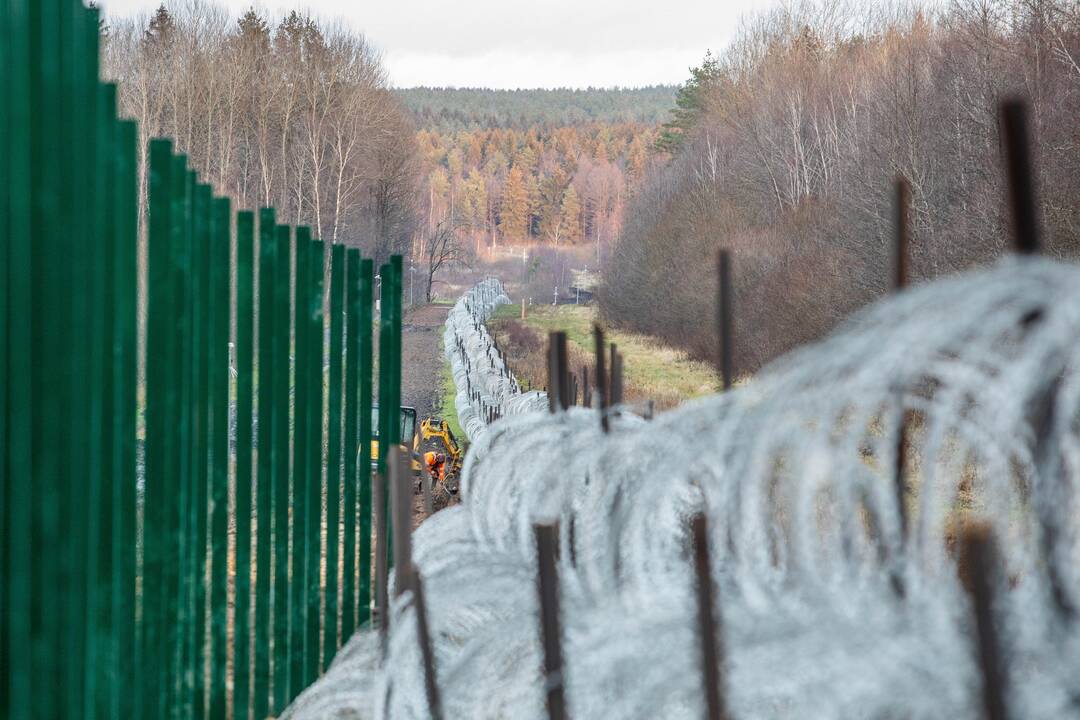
526	43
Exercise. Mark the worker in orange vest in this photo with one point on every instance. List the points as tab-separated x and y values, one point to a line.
436	465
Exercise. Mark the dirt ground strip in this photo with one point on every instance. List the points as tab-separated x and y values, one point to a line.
421	358
421	372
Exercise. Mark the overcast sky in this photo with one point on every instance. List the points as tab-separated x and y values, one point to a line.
524	43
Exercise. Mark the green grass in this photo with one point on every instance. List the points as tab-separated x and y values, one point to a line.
447	393
652	370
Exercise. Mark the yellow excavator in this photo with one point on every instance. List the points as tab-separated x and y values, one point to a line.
409	438
433	434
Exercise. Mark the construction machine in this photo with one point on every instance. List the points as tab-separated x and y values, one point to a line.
433	435
410	441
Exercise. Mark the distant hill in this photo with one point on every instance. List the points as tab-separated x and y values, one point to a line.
450	109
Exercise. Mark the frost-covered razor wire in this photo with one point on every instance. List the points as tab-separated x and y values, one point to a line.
486	388
827	609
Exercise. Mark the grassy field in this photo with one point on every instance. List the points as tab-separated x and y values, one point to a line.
447	392
652	371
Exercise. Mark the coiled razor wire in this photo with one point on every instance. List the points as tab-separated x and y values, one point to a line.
795	473
486	388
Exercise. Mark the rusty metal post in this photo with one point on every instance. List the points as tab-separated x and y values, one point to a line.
547	539
900	281
903	233
601	378
616	376
423	633
381	559
553	372
401	512
563	366
708	623
1020	177
725	311
980	559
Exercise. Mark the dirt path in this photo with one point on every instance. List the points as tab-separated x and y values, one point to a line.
421	369
421	358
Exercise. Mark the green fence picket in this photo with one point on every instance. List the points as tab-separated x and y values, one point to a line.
178	490
301	406
19	504
244	320
386	344
333	451
78	482
367	361
389	380
350	443
220	251
315	337
160	413
6	100
279	452
104	649
200	445
265	513
129	666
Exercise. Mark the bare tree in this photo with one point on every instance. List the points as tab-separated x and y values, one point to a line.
443	248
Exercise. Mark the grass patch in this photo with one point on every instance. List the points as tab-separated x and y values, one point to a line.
447	393
653	371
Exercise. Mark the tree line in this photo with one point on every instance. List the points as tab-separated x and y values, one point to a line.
558	185
784	148
452	109
284	112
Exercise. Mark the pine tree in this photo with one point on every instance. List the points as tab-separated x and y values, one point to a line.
535	204
514	210
571	215
636	159
161	30
254	33
690	104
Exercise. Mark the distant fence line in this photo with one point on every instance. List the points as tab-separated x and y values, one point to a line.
122	598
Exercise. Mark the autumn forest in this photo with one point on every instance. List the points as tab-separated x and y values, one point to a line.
781	146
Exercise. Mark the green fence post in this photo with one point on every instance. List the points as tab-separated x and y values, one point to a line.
315	337
279	452
101	653
352	377
389	381
333	450
200	427
44	310
129	667
367	361
160	400
220	251
19	567
301	406
6	101
78	482
245	242
180	598
396	264
333	453
265	511
386	348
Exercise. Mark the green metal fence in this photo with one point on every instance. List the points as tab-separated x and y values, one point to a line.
199	546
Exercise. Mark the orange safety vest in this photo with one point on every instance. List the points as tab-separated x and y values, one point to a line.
435	466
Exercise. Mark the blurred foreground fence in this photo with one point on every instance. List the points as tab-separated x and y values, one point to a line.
221	580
